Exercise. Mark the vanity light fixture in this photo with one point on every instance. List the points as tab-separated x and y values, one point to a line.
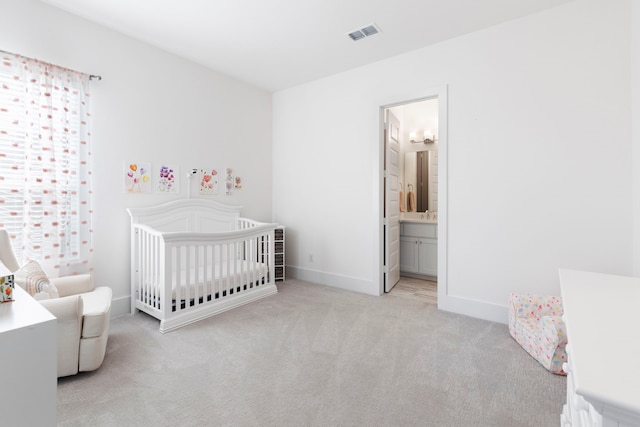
428	137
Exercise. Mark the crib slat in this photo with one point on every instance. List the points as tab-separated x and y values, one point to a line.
167	266
237	259
228	278
217	268
246	267
176	272
215	263
255	247
150	281
186	286
143	265
140	265
251	259
146	242
261	251
156	255
206	279
197	279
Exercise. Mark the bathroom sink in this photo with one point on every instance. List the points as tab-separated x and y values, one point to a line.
417	217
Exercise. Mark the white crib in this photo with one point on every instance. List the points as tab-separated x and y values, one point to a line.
194	258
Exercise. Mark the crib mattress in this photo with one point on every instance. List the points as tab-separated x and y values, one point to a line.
213	279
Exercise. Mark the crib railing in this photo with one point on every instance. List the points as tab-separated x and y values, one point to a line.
147	249
176	271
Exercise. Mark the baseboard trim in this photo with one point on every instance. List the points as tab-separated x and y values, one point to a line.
454	304
120	306
473	308
335	280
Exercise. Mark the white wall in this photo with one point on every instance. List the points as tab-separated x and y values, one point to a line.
635	127
150	106
539	157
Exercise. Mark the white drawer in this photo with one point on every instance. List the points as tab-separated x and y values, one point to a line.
420	230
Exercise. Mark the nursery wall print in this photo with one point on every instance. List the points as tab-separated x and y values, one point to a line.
137	177
228	187
167	179
209	181
238	183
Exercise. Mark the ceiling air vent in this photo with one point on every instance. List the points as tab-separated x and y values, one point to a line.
361	33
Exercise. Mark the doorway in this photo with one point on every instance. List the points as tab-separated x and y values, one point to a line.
421	191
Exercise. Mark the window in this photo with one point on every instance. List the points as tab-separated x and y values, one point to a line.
44	173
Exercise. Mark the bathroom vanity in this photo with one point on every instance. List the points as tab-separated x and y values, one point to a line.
418	245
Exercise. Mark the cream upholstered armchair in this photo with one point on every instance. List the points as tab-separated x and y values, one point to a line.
82	313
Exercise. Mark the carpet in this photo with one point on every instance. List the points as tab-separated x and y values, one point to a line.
315	356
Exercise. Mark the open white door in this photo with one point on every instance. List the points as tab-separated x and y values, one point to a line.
392	201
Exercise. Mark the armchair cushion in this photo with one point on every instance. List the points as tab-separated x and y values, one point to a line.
68	311
73	285
97	308
33	280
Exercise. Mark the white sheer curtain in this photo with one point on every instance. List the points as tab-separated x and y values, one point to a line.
44	163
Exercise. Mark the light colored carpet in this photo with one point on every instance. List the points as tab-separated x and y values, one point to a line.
315	356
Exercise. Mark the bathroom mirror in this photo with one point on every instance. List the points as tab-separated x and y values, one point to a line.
420	178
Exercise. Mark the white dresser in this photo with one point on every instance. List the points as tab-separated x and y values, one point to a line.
28	350
603	328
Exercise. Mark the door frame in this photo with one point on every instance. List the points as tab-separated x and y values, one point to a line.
439	92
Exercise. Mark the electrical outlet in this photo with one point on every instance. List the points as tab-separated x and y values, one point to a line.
310	257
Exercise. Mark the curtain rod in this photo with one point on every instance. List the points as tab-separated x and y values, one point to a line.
91	76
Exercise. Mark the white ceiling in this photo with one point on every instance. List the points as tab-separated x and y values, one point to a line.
276	44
